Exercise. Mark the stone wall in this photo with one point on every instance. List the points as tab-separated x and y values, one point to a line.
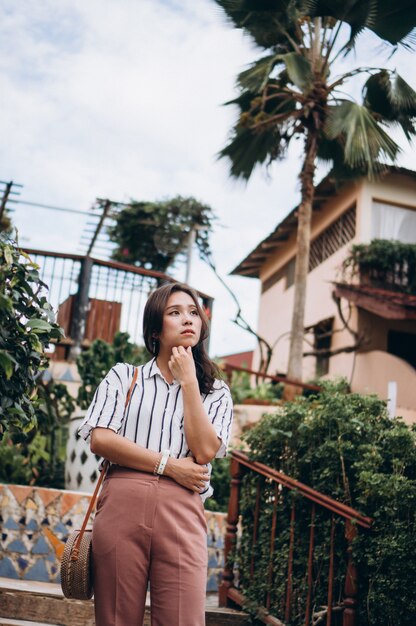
35	523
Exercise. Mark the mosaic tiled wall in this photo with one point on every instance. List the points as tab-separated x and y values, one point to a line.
35	523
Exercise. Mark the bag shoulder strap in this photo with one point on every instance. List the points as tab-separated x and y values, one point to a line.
75	550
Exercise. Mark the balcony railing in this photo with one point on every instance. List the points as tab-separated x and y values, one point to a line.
298	522
96	298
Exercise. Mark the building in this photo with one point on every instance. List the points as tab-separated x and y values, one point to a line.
355	329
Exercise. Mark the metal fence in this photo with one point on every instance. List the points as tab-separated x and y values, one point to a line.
95	298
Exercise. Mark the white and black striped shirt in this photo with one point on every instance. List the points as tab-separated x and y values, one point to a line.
154	416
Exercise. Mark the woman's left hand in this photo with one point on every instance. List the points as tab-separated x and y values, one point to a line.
182	365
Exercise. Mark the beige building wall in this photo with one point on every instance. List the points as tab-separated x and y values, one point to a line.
276	303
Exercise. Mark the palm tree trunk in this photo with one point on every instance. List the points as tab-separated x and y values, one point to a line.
302	257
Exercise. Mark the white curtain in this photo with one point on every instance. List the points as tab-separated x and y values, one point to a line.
392	222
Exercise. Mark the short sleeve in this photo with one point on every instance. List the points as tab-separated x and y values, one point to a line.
220	412
107	407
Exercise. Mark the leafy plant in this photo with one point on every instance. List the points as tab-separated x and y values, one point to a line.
343	445
27	325
94	363
383	263
220	481
152	234
242	389
297	90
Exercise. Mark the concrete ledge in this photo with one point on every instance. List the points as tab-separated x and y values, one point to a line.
42	604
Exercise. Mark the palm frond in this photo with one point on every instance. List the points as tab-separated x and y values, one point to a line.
269	22
248	149
256	76
364	141
402	96
298	69
392	21
395	21
390	97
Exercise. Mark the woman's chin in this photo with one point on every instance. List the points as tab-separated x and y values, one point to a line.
187	341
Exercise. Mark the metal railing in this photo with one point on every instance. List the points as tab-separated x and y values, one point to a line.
295	516
95	298
228	369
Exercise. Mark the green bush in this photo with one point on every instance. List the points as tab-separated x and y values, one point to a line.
27	325
345	446
386	263
94	363
242	389
220	481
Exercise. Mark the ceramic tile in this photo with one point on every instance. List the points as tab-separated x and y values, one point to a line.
37	522
48	495
41	547
7	569
17	546
20	492
38	572
10	524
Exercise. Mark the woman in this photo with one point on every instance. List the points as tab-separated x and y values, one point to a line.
150	523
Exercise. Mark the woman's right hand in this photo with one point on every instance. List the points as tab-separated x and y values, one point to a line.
188	473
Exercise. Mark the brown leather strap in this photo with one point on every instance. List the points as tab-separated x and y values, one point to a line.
75	550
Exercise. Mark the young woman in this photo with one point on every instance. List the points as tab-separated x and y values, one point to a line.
150	523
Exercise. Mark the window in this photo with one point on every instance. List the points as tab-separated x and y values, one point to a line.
393	222
322	342
402	345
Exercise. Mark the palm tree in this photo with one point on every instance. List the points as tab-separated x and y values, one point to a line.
291	92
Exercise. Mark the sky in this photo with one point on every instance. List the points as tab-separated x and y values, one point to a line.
124	100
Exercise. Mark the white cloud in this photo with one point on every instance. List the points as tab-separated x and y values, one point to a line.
123	99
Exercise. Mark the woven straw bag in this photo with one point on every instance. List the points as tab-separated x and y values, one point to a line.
76	563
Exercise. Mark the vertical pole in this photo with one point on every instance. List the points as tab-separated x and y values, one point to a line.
231	531
80	308
208	303
350	588
191	241
6	194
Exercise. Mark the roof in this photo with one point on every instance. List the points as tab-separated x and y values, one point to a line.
391	305
327	188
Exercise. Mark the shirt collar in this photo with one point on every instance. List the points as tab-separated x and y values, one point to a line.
151	369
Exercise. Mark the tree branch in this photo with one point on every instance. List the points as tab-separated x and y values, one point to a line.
266	351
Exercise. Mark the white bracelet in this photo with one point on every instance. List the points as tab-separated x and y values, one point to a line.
163	461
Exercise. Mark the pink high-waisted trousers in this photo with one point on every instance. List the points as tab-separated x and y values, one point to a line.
148	529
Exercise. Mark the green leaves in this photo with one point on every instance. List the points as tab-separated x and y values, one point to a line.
392	99
152	234
248	149
391	21
39	326
268	22
389	264
298	69
27	325
94	363
256	77
365	143
341	444
7	363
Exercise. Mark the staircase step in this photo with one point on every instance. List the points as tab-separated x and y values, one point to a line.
22	622
42	604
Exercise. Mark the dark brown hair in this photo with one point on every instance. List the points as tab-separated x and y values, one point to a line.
206	370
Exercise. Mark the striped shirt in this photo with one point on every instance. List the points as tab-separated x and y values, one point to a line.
154	417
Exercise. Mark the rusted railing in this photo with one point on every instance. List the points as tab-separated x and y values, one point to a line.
228	369
288	505
96	298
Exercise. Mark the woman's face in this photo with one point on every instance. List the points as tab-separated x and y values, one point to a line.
181	322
